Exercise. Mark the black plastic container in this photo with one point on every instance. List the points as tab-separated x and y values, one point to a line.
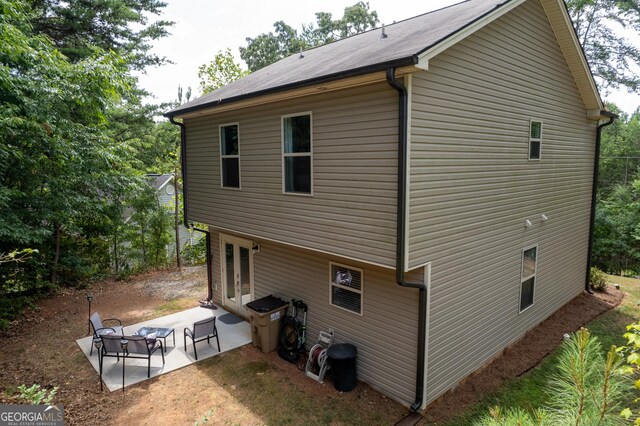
342	358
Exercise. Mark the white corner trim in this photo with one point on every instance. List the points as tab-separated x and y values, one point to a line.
423	58
409	85
427	281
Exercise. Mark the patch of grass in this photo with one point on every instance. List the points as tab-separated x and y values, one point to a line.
527	392
172	306
276	399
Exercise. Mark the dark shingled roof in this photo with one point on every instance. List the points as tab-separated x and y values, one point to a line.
360	54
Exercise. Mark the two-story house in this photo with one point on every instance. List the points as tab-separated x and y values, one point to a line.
425	187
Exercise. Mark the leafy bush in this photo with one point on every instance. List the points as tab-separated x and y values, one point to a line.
598	279
632	353
195	254
35	395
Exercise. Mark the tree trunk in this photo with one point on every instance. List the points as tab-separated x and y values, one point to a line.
115	251
143	246
177	217
57	233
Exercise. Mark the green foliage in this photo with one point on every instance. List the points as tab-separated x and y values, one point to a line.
632	352
585	390
76	140
143	239
597	279
36	395
617	233
195	254
614	59
80	27
268	48
219	72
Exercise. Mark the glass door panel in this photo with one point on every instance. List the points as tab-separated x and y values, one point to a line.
245	275
230	281
237	273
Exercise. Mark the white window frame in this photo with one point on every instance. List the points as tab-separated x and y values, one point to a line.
223	157
523	279
297	154
353	290
539	140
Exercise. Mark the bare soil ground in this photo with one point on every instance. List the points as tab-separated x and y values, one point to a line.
242	386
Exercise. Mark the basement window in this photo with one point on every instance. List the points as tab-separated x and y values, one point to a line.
535	139
345	287
230	156
528	277
297	141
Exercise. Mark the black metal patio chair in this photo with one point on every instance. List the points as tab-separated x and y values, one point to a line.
98	327
137	347
203	329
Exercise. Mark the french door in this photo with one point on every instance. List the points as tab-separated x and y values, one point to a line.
237	273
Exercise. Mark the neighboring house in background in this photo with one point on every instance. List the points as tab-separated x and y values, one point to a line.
165	187
451	153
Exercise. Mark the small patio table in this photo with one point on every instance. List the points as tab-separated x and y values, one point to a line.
161	333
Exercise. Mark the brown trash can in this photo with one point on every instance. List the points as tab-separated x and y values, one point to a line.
264	316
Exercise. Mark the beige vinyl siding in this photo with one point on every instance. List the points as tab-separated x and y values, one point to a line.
385	334
352	210
472	187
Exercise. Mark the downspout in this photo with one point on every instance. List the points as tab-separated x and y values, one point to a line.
594	192
400	233
185	209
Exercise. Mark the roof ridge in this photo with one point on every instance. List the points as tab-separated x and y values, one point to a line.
377	28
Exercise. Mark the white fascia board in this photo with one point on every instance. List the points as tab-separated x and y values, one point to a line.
424	57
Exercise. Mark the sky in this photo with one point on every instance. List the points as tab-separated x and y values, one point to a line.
204	27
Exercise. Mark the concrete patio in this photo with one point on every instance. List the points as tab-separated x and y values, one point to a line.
233	333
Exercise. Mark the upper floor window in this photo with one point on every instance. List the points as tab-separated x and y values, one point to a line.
528	277
297	151
230	156
346	287
535	139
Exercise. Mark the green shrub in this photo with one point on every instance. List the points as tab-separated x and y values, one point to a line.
195	254
598	279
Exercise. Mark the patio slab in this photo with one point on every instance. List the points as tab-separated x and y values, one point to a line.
233	334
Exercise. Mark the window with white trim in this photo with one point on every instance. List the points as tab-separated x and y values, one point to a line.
230	156
535	139
345	287
297	154
528	276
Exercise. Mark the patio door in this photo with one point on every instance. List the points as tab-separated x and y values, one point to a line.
237	273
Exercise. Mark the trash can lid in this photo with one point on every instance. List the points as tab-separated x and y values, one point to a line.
266	304
342	351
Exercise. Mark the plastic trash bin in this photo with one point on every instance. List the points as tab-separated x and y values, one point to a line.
342	358
264	317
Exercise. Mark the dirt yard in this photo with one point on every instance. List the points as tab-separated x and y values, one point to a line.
243	386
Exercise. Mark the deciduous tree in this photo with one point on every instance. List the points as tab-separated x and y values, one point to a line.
603	28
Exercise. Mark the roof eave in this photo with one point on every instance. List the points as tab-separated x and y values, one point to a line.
411	60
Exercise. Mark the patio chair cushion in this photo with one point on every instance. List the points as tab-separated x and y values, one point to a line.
151	338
